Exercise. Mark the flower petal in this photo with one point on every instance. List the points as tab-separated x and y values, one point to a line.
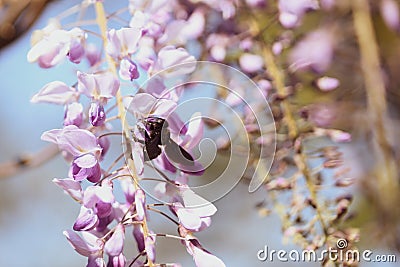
55	93
115	244
78	244
71	187
86	220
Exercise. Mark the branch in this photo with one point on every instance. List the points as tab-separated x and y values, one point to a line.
24	162
385	188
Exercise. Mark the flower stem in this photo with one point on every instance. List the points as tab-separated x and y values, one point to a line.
300	157
386	187
102	23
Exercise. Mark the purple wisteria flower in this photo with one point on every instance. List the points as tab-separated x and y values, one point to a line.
128	70
89	246
315	51
123	42
251	63
56	93
56	46
73	114
82	145
99	87
96	208
170	56
326	84
391	14
292	11
201	256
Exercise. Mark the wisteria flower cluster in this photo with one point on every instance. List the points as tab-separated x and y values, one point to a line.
146	46
273	43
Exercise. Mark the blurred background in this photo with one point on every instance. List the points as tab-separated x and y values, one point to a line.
34	212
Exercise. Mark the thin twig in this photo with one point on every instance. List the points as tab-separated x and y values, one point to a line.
163	213
30	161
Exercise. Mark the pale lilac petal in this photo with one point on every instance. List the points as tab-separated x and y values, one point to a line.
86	167
78	244
156	87
51	135
73	140
327	83
56	45
139	19
205	259
77	141
86	161
218	52
108	84
256	3
127	188
71	187
129	38
86	220
138	157
251	63
128	70
277	48
315	51
188	220
100	85
114	44
170	56
145	57
328	4
140	104
76	52
55	93
164	107
93	54
96	260
115	244
123	42
195	25
339	136
173	33
291	11
143	105
140	204
117	261
390	13
97	115
197	204
73	114
150	248
94	194
288	20
194	133
51	50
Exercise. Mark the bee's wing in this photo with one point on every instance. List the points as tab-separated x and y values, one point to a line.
178	154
